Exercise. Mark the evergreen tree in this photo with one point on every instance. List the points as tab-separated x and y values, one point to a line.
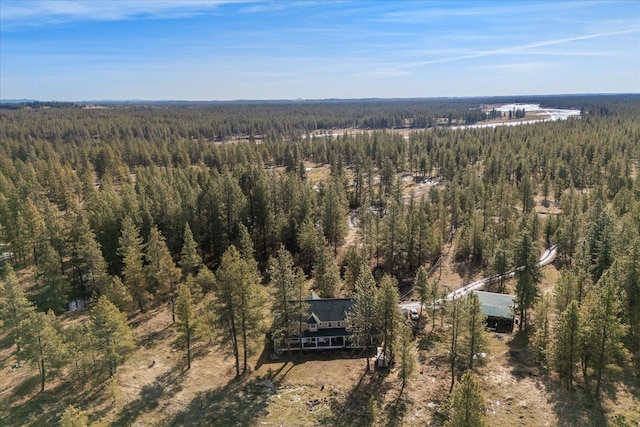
630	273
542	334
53	287
455	320
263	215
14	227
190	260
74	417
602	328
528	277
187	320
565	290
289	306
466	405
388	315
334	213
406	349
245	245
91	268
43	343
33	227
117	293
194	287
232	202
104	212
251	301
14	305
161	271
82	345
394	232
362	319
325	273
155	249
546	186
599	237
131	251
421	285
206	280
111	334
352	262
309	240
130	203
237	305
500	264
472	328
565	344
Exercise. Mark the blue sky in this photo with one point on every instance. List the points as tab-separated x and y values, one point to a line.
224	50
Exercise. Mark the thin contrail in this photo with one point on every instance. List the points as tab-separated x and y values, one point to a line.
514	49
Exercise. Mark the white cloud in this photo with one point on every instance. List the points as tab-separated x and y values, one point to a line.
266	7
18	13
430	13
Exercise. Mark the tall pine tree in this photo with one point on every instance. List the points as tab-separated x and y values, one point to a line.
111	334
43	343
131	250
288	290
362	319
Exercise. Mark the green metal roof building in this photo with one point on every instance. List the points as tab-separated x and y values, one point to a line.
499	309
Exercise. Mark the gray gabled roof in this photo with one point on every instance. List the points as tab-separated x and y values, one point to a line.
496	305
313	319
328	309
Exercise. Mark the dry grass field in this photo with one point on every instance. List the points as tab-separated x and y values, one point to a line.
325	389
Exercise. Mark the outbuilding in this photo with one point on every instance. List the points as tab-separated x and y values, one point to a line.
499	309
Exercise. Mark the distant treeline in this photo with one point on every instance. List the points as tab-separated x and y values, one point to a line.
222	120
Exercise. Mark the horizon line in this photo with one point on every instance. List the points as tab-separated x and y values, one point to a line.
247	100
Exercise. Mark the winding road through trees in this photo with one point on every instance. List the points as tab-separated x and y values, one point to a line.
546	258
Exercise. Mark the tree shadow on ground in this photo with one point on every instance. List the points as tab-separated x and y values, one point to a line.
575	408
28	386
139	318
428	338
6	341
268	357
395	413
497	286
467	270
164	387
579	407
45	408
155	337
239	403
361	404
522	361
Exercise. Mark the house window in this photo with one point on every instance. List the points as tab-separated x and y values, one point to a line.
313	327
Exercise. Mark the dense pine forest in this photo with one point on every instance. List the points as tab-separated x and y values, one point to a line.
216	213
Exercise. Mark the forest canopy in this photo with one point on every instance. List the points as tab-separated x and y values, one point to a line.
125	207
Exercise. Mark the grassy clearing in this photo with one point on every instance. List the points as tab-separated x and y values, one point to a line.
326	388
